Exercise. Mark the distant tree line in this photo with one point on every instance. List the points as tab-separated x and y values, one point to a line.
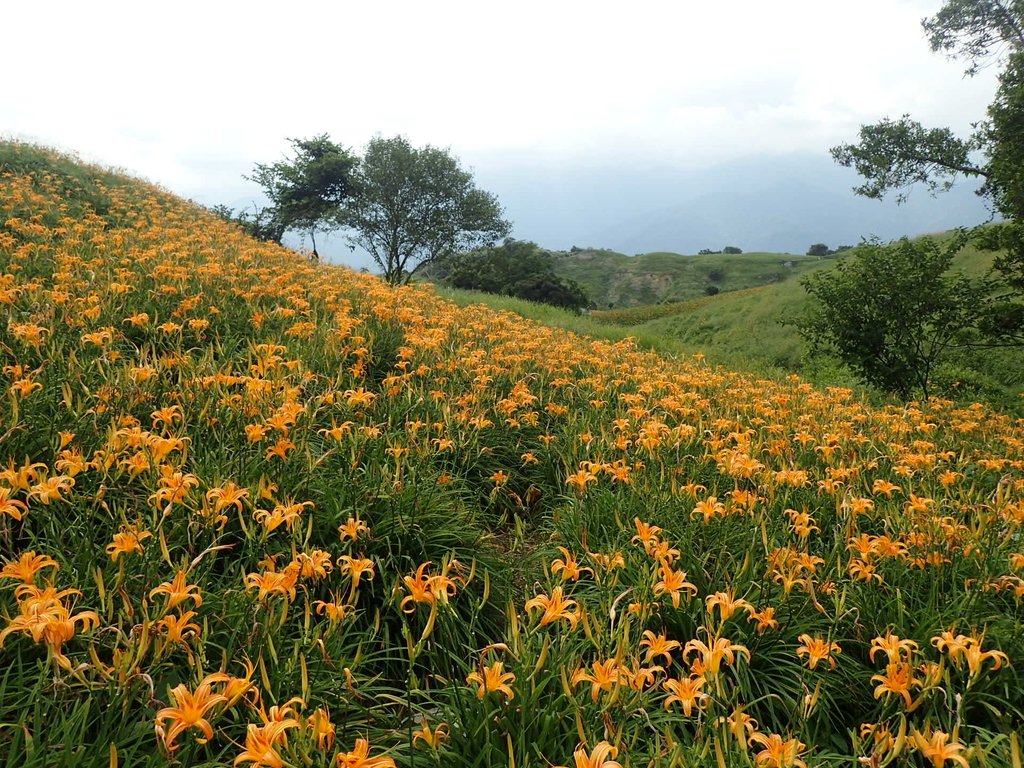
729	249
822	250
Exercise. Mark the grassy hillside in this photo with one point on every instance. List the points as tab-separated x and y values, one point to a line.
754	329
261	512
614	280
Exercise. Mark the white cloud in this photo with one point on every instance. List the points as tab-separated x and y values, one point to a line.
191	94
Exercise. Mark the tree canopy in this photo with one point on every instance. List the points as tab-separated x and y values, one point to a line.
515	268
976	30
891	312
307	192
414	205
895	155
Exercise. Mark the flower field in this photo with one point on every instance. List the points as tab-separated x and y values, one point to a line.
261	512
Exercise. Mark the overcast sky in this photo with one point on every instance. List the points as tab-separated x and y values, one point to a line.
191	94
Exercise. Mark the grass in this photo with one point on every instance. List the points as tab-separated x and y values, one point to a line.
260	512
614	280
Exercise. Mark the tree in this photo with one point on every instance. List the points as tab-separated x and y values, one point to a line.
732	249
891	312
307	192
819	249
515	268
414	205
976	30
893	156
897	154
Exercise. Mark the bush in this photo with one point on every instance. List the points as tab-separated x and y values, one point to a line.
893	311
515	268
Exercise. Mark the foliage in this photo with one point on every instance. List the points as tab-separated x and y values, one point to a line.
566	547
732	249
414	205
307	192
1004	134
976	30
819	249
895	155
891	312
514	268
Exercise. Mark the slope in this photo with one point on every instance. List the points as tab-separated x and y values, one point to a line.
616	280
257	511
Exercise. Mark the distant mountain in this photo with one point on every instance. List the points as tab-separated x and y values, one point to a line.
767	203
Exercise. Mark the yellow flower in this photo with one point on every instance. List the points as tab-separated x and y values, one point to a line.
605	677
893	647
43	615
778	753
569	567
580	479
658	645
672	583
740	725
11	507
188	710
178	591
687	692
493	679
227	495
334	610
178	628
261	743
322	729
25	568
126	542
355	568
709	656
313	565
898	679
727	604
352	529
963	648
765	619
274	583
432	738
936	747
360	758
646	534
600	757
817	649
282	514
555	608
52	488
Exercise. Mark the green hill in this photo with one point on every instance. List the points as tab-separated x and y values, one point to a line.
257	511
752	329
615	280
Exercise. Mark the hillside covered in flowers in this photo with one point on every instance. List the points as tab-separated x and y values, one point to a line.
258	511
